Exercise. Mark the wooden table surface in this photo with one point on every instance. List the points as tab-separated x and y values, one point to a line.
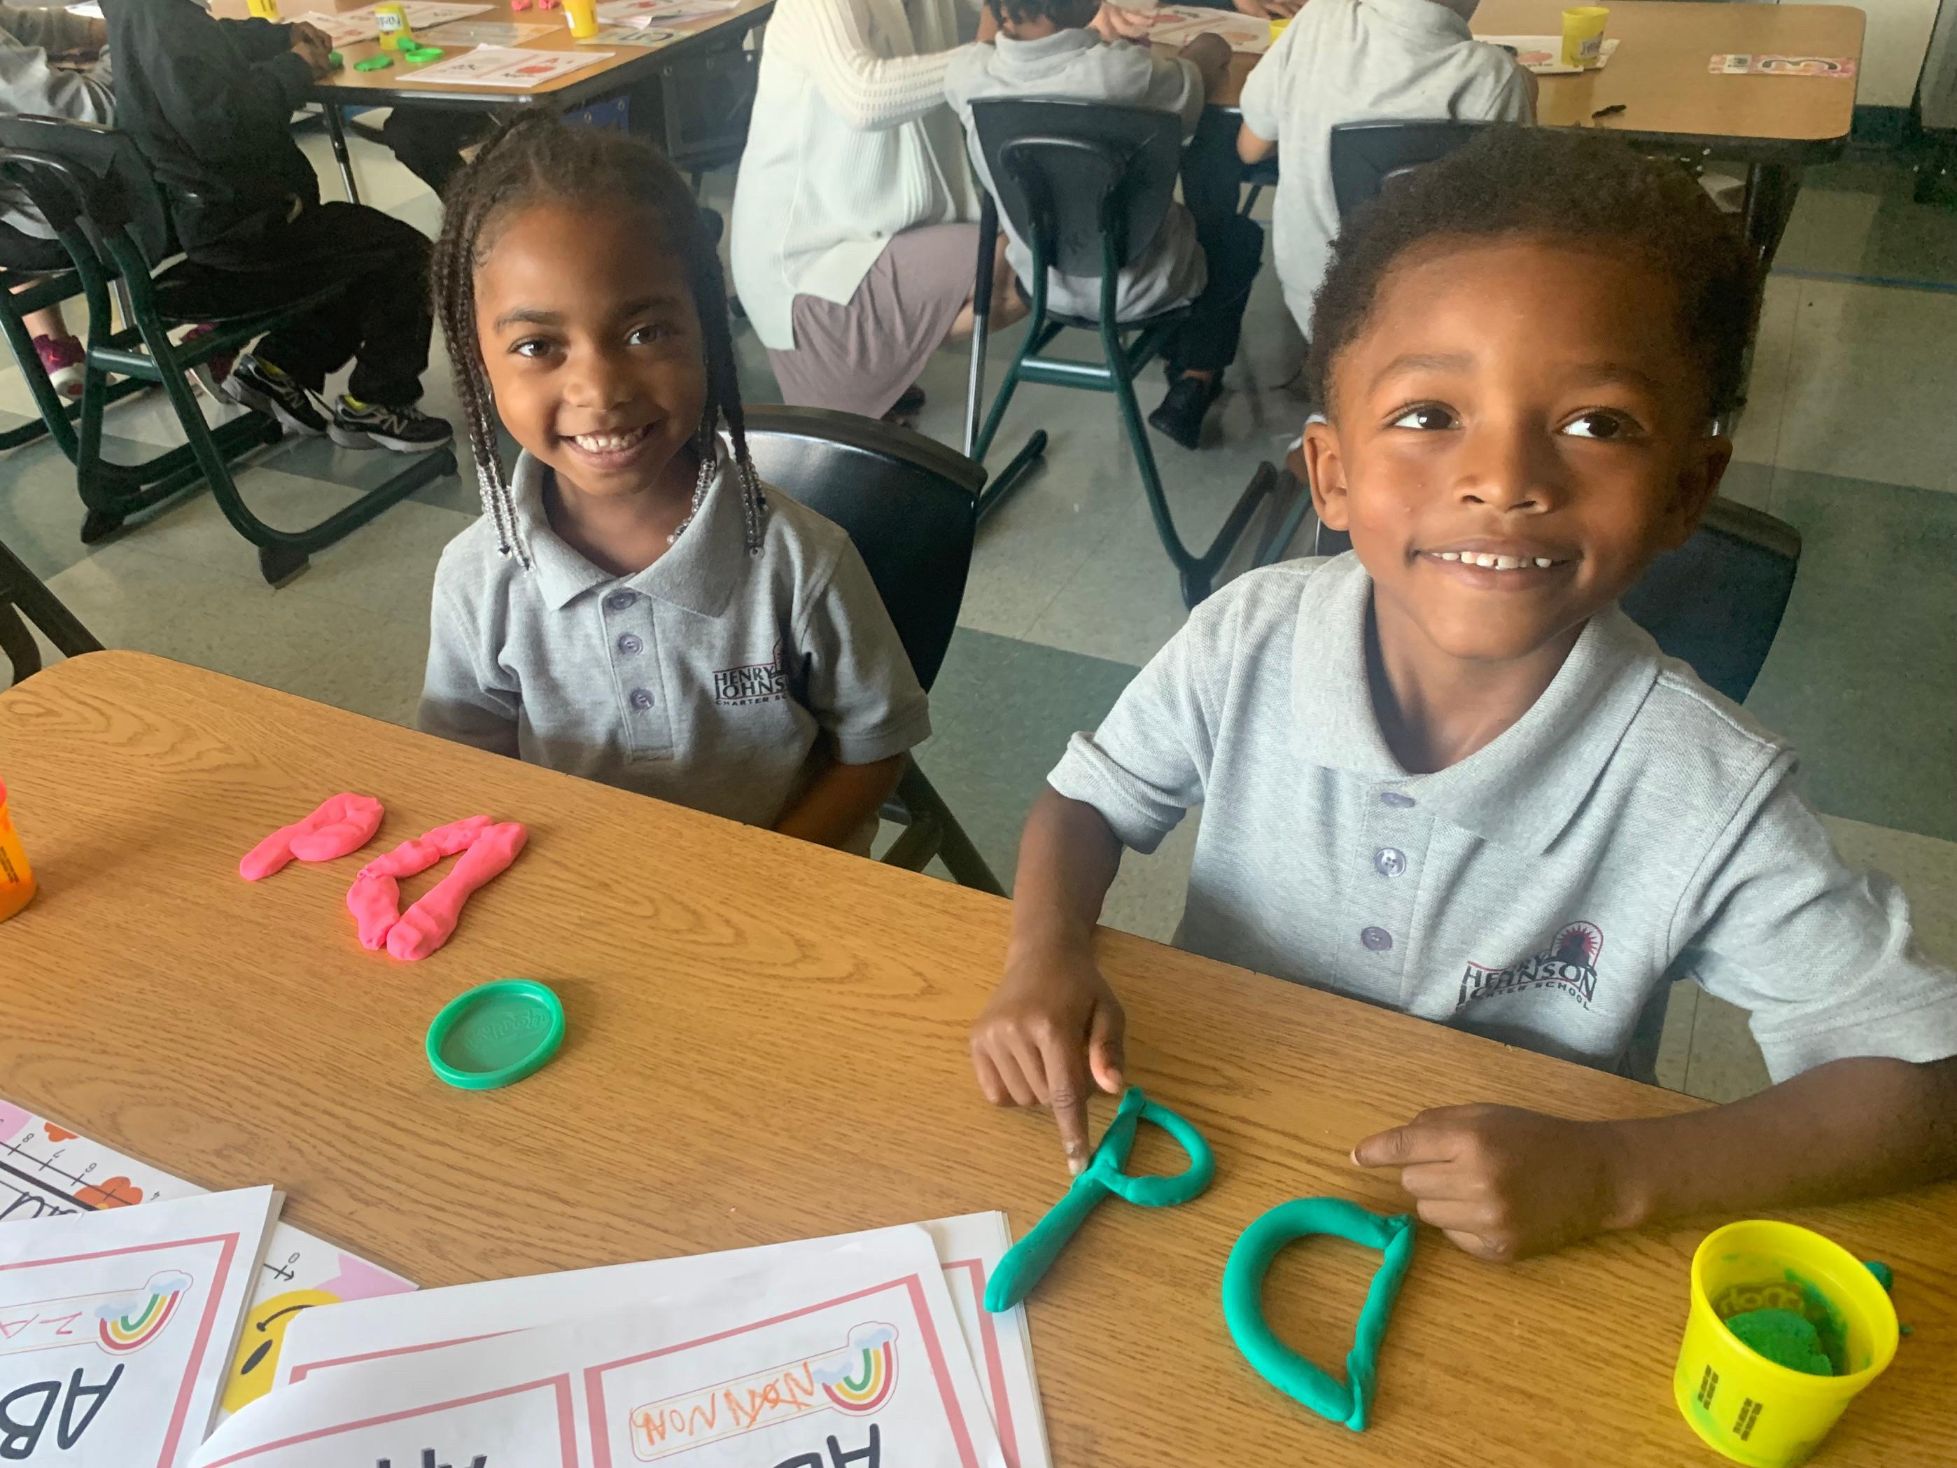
627	64
767	1041
1660	72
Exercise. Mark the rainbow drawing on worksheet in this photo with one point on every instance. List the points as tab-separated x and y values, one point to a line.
865	1373
130	1324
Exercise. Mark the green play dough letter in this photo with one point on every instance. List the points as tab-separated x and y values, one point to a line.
1277	1363
1025	1264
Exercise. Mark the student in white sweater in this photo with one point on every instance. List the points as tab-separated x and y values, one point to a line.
853	243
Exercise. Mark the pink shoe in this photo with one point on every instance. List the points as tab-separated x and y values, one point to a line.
62	358
208	377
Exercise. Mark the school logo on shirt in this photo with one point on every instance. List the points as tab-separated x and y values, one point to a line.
754	683
1570	965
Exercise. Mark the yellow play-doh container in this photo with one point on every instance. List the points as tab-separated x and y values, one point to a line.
1583	35
1753	1410
392	23
263	9
1278	23
582	17
16	876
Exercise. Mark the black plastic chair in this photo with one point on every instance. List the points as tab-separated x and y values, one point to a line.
911	506
22	594
1365	155
1258	177
1086	185
22	293
97	192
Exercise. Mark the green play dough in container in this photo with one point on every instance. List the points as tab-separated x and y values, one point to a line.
1785	1337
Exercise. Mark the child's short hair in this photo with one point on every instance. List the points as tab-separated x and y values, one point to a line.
1560	184
539	159
1066	14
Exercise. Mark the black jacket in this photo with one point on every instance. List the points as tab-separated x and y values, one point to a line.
210	102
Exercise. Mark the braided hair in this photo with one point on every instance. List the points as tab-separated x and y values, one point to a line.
538	158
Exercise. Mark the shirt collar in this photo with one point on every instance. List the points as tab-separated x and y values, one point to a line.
698	573
1423	17
1524	786
1047	50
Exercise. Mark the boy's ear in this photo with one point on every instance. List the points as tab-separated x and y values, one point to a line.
1327	474
1698	481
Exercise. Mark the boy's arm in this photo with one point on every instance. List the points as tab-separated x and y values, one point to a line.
1504	1183
840	800
211	102
1053	1029
1263	92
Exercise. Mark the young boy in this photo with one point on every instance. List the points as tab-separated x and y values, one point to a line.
1049	49
1446	774
210	104
1361	61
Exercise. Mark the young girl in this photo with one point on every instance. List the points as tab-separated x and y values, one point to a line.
635	606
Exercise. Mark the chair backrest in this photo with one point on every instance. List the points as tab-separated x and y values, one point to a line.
1366	154
1083	183
909	503
83	174
1715	603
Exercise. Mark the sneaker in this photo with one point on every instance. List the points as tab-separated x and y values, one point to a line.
63	359
208	377
407	430
1184	406
260	386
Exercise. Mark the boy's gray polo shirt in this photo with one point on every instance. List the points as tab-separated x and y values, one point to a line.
1631	826
711	678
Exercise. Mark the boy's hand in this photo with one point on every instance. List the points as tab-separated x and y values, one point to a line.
1209	53
1501	1182
1053	1029
312	46
1113	23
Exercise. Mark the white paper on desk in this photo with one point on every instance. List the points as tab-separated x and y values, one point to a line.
116	1328
968	1248
644	12
627	35
342	30
805	1360
47	1170
1178	25
486	33
1543	55
425	15
503	66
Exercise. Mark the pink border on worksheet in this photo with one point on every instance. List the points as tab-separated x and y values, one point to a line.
226	1255
994	1365
910	1284
560	1387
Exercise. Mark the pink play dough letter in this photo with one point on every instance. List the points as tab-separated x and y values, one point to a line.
375	897
426	926
342	824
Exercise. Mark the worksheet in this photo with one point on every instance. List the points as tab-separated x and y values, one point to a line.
967	1248
487	33
342	30
350	27
1842	68
1178	25
1543	55
815	1360
48	1171
627	35
644	12
501	66
116	1327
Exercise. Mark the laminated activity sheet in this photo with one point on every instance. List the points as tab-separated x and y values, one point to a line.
1178	25
628	35
810	1360
502	66
350	27
967	1248
644	12
1543	55
47	1170
1842	67
116	1327
487	33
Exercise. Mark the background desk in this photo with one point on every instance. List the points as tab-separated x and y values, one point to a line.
627	66
767	1041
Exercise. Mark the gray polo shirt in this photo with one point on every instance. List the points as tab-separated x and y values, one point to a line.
1362	61
1632	825
711	679
1079	65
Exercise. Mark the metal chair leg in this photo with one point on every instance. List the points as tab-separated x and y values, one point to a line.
954	847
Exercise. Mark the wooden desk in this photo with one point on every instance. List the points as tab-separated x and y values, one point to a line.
628	65
768	1041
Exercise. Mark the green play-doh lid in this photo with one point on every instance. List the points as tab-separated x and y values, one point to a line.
495	1034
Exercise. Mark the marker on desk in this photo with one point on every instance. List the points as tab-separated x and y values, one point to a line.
1610	111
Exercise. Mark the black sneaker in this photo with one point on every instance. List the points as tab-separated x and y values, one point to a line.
260	386
1184	407
358	425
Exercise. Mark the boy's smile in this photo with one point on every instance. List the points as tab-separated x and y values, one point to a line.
1515	432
